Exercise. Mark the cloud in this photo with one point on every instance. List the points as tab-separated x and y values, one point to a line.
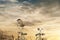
46	14
39	1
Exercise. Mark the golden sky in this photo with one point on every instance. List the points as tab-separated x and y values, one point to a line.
46	17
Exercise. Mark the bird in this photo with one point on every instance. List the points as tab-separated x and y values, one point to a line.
20	23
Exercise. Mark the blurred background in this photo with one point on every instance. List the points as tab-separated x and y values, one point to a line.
34	14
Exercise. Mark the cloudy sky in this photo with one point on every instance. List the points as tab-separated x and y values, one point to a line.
34	1
41	13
